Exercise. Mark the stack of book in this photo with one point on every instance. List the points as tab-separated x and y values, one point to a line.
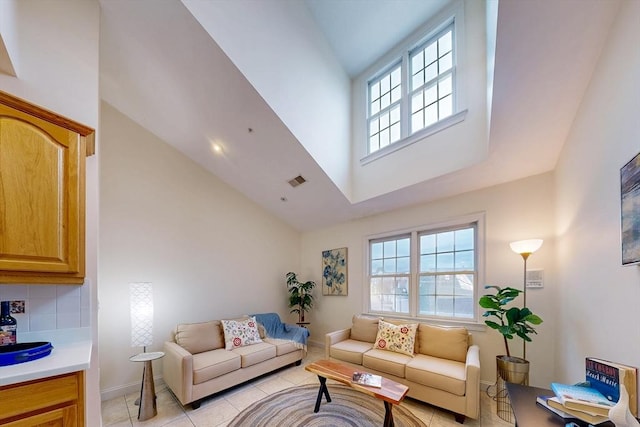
591	401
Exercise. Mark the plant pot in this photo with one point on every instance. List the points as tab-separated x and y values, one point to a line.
513	370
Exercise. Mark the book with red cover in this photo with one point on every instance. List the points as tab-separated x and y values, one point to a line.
604	376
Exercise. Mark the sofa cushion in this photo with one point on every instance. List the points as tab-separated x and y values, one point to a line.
238	333
282	346
364	328
214	363
255	353
397	338
350	350
386	361
199	337
444	342
442	374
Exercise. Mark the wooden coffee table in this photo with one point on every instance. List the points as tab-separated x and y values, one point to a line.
391	392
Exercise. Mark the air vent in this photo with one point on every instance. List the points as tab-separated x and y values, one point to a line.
297	181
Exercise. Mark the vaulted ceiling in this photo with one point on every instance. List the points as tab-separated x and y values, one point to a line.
164	71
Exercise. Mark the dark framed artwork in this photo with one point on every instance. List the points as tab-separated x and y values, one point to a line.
630	211
334	272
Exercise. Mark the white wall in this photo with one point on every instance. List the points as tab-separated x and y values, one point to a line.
599	297
209	251
53	46
429	157
303	83
514	211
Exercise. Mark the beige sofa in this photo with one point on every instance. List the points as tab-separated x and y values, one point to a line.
196	363
443	371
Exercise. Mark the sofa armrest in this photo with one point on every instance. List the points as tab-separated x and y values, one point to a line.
473	381
334	337
177	371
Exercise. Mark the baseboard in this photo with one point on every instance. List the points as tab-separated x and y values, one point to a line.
123	390
318	344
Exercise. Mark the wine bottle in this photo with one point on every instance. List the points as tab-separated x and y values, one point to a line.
8	325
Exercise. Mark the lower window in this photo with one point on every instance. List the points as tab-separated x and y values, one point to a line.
425	272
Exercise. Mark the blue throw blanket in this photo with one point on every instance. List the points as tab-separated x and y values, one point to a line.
274	328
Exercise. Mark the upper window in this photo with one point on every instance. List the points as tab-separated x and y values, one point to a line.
385	94
414	93
432	81
425	273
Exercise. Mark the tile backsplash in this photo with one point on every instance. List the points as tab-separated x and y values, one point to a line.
49	307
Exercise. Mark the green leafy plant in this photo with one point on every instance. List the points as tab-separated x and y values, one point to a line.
300	296
512	321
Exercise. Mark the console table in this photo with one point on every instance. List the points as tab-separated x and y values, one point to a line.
529	414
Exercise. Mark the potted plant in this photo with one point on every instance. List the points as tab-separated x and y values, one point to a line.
511	322
300	296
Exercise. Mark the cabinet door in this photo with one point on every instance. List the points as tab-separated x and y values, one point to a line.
41	198
52	401
61	417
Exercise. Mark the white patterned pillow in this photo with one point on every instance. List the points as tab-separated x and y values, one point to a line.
238	333
398	338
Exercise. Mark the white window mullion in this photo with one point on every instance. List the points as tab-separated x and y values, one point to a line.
415	282
405	106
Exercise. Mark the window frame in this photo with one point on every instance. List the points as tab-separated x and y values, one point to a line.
477	220
452	15
411	91
404	60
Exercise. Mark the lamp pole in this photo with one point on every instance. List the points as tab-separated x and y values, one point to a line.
525	248
525	255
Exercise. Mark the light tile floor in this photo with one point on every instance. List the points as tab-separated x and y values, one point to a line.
218	410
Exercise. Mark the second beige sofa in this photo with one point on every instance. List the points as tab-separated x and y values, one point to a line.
444	369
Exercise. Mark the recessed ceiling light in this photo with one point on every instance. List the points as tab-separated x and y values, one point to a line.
217	148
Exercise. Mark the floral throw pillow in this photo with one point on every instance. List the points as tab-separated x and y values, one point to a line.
238	333
398	338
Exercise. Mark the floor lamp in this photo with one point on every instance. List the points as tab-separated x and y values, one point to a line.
141	299
525	248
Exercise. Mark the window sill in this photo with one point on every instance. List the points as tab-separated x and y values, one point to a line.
469	324
418	136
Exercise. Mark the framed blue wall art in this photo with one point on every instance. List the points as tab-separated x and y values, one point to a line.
334	272
630	211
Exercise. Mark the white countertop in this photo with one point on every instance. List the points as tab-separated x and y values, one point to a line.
67	356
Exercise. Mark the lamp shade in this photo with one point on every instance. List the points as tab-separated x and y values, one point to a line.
141	298
526	246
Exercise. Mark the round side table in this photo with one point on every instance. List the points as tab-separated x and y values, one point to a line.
147	408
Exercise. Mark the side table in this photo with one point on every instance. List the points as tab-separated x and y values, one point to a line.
529	414
147	408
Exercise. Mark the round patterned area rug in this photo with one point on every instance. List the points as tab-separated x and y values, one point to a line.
294	407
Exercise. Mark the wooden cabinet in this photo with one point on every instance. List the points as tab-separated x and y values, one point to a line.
54	401
42	194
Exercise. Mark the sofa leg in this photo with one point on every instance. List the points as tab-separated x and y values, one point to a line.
460	418
196	404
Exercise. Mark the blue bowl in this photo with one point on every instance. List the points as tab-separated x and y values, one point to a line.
23	352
